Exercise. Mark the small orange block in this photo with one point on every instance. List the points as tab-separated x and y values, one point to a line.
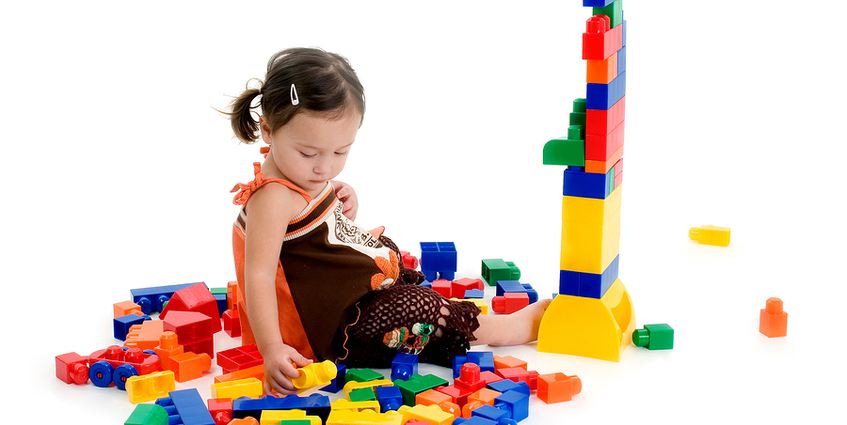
124	308
232	295
602	71
556	387
485	395
244	421
603	167
773	321
257	372
172	356
146	335
507	362
430	397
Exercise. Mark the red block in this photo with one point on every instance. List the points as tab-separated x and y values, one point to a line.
603	121
457	395
462	285
469	378
239	358
599	41
409	260
515	374
602	147
488	377
193	329
196	298
509	302
221	410
443	287
71	368
232	323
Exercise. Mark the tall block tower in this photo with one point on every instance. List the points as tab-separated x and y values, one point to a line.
592	315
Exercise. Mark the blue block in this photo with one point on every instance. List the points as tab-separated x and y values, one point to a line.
404	366
596	3
506	385
438	260
389	398
603	96
504	286
186	407
489	412
587	185
483	359
474	293
531	292
426	284
338	382
314	404
122	324
622	59
623	30
515	403
589	285
221	300
474	420
152	299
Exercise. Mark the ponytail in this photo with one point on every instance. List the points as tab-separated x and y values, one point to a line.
241	119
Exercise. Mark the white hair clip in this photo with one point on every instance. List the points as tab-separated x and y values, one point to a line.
295	100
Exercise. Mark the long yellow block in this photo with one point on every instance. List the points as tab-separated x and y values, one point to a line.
588	327
366	417
150	387
431	414
483	306
249	387
345	404
274	417
353	385
591	230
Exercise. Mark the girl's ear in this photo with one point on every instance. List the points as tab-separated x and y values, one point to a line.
265	129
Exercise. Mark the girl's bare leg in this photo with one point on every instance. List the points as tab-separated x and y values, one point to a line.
517	328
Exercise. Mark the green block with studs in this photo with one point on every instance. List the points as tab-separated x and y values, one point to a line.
362	375
218	291
613	10
148	414
657	336
569	151
494	269
362	394
417	384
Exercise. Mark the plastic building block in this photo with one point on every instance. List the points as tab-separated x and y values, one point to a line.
153	299
114	365
474	294
430	414
510	302
239	358
516	374
185	366
458	395
710	235
338	382
417	384
314	404
409	260
622	53
248	387
71	368
569	151
490	412
654	337
484	396
404	366
479	302
484	359
596	3
577	115
352	385
124	308
293	416
121	325
150	387
220	300
363	375
257	372
530	292
148	414
588	284
352	417
444	287
600	123
232	323
186	407
508	362
438	260
232	295
588	327
515	403
468	284
315	374
345	404
590	232
363	394
773	321
601	71
244	421
475	420
505	286
389	398
576	182
194	330
532	379
495	269
431	397
220	409
557	387
469	378
196	298
600	40
604	96
144	336
509	385
613	10
489	376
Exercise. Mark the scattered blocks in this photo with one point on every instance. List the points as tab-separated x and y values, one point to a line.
239	358
363	394
152	300
195	330
362	375
474	294
71	368
429	414
557	387
495	269
248	387
185	366
710	235
150	387
114	365
314	404
484	359
508	362
469	378
148	414
417	384
404	366
186	407
257	372
353	385
220	299
389	398
773	321
315	374
654	337
438	260
232	295
352	417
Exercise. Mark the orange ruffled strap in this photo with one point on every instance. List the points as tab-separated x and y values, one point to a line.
246	189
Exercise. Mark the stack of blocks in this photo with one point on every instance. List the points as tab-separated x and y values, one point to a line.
592	315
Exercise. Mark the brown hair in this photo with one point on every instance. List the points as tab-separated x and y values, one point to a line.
325	82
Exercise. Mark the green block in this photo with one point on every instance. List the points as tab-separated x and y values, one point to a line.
217	291
614	11
362	375
579	105
657	336
362	394
577	118
494	269
564	152
417	384
148	414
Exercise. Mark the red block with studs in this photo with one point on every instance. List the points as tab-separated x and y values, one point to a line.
195	298
509	302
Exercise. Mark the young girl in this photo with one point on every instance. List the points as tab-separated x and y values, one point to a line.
312	284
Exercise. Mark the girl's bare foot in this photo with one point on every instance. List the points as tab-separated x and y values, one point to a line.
517	328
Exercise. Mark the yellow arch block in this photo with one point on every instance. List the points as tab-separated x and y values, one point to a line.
588	327
591	232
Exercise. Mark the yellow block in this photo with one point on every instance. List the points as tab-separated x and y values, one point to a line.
353	385
150	387
710	235
591	231
431	414
274	417
588	327
366	417
483	306
315	374
249	387
345	404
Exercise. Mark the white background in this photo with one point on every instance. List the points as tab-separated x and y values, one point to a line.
117	172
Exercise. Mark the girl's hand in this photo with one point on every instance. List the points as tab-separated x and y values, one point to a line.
281	363
345	193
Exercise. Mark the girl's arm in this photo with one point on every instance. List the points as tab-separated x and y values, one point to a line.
268	214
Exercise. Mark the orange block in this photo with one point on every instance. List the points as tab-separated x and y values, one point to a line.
430	397
232	295
556	387
773	321
146	335
485	396
244	421
167	348
257	372
602	71
451	408
188	366
124	308
507	362
602	167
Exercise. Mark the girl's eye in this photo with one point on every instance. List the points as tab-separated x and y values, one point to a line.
342	153
308	156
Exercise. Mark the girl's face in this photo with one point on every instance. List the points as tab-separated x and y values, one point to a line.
311	149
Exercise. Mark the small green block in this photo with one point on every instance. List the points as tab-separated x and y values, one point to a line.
494	269
564	152
417	384
362	375
613	10
579	105
657	336
148	414
217	291
362	394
